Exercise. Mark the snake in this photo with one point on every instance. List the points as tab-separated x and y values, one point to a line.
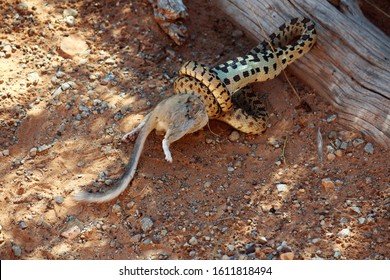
225	88
222	92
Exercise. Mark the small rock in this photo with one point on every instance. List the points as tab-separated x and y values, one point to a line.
230	169
357	142
43	147
287	256
110	61
337	254
281	187
33	78
369	148
237	33
343	145
59	199
136	238
274	142
33	152
327	184
344	233
356	209
71	232
65	86
72	45
146	224
331	157
332	134
70	20
231	247
22	8
262	240
348	136
362	220
338	153
117	209
23	225
331	118
17	250
234	136
316	240
193	241
70	12
5	153
343	220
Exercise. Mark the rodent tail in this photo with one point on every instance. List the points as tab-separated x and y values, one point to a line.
129	171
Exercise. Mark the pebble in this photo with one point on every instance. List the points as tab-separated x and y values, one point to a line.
5	153
193	241
337	254
43	147
22	8
72	45
136	238
59	199
327	184
237	33
331	118
23	225
71	232
281	187
33	152
65	86
369	148
348	136
343	220
231	247
331	157
344	233
316	240
117	209
357	142
234	136
356	209
262	240
70	20
362	220
339	153
343	145
230	169
287	256
332	134
110	61
33	78
146	224
70	12
17	250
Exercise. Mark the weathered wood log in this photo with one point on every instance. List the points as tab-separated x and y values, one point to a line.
349	65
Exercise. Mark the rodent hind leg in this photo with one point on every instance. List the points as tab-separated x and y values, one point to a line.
171	136
189	116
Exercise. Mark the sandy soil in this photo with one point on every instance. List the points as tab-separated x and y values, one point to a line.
225	196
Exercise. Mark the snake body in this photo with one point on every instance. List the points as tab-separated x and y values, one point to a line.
224	88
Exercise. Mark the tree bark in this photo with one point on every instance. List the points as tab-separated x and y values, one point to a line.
349	65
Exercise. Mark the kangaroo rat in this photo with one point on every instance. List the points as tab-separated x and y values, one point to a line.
177	116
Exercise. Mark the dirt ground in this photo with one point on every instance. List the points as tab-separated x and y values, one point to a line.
225	196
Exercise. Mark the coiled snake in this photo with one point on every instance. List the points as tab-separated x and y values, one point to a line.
224	88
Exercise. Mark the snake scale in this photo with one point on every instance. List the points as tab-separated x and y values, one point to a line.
224	88
221	92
